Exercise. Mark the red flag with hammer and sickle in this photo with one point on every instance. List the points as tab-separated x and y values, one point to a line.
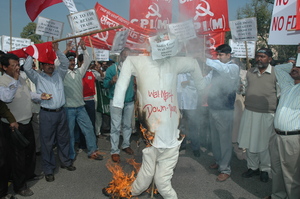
151	14
209	16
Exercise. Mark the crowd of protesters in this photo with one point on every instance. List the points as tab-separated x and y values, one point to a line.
66	103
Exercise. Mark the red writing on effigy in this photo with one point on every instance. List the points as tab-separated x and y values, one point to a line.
154	109
161	94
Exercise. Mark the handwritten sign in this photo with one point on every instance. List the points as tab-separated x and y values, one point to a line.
119	41
239	49
183	31
17	43
83	22
102	55
49	28
164	49
244	29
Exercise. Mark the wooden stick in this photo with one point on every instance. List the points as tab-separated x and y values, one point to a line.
88	33
152	189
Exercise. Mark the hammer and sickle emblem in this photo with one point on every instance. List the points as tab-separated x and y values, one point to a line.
155	11
205	10
102	37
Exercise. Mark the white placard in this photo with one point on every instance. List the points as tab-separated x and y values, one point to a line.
17	43
119	41
163	49
183	31
83	22
239	49
282	21
102	55
244	29
49	28
298	60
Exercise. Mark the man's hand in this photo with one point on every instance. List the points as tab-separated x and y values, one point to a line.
82	44
55	46
114	79
185	83
14	125
46	96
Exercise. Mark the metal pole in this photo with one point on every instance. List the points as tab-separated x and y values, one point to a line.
10	23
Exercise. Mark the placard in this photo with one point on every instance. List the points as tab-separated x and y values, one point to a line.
17	43
183	31
244	29
102	55
282	22
83	22
49	28
239	49
119	41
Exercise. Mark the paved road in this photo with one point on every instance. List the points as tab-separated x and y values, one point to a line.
192	179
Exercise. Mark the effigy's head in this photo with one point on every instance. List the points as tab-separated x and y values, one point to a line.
163	45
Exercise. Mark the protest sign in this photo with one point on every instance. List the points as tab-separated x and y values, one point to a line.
102	55
163	48
119	41
239	49
183	31
49	28
83	22
17	43
244	29
283	22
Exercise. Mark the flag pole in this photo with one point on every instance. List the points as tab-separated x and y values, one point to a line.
10	24
88	33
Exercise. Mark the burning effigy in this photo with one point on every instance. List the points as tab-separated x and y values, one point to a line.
156	78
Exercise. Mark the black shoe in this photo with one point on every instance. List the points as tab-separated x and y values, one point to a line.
250	173
196	153
36	177
264	176
49	177
25	192
69	168
9	196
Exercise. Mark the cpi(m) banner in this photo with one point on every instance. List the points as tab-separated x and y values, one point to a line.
151	14
209	16
283	24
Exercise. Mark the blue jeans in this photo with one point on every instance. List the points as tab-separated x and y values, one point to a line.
80	115
120	118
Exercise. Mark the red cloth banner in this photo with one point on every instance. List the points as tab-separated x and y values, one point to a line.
108	19
42	52
209	16
151	14
34	7
298	15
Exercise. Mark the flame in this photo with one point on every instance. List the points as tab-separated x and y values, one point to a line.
120	186
148	135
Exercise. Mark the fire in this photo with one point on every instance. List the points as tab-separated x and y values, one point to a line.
148	135
120	186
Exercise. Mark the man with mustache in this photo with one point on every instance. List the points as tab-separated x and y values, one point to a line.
285	143
257	120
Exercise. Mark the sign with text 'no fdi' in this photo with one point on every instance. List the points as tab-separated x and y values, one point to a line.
244	29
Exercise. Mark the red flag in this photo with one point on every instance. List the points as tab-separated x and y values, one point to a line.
151	14
298	15
209	15
42	52
20	53
34	7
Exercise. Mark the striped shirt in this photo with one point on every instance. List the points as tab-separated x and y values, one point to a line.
287	117
49	84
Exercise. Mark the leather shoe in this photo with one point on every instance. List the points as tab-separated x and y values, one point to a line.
36	177
115	158
222	177
69	168
250	172
214	166
49	177
264	176
128	150
25	192
196	153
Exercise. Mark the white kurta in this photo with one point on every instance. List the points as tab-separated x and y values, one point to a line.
157	94
255	131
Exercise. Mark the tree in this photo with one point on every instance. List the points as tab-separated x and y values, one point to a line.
262	10
29	33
